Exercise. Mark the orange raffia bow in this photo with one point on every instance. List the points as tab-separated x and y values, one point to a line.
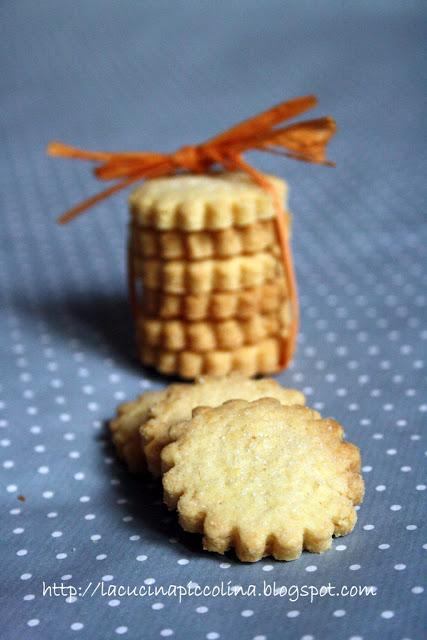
304	141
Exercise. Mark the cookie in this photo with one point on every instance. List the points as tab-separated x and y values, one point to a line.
124	428
263	478
205	202
200	245
230	274
179	401
260	358
219	305
179	335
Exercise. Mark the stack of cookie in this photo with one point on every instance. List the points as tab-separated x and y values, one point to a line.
207	285
246	464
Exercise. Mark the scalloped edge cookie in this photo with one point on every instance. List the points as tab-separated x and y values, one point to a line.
229	274
263	478
208	202
250	360
219	305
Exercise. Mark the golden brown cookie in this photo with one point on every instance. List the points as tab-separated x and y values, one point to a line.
229	274
263	478
201	245
220	305
180	335
124	428
261	358
208	202
179	401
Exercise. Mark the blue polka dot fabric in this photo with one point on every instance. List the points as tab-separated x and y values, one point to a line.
88	551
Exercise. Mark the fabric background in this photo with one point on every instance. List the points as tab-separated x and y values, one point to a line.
156	75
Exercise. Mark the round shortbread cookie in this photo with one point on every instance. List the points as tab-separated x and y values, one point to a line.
241	304
180	335
263	478
201	245
229	274
208	202
250	360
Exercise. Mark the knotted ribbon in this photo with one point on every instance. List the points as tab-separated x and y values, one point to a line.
304	141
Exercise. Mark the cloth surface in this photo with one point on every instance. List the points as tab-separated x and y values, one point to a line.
157	75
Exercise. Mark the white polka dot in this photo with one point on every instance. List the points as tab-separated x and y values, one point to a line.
76	626
149	581
166	632
84	499
383	546
247	613
11	488
380	487
43	470
56	534
387	614
48	494
113	603
395	507
101	556
224	565
121	630
368	527
95	537
202	609
22	552
391	452
311	568
33	622
268	567
183	561
367	468
158	605
60	556
79	475
28	597
411	527
420	487
90	516
292	614
107	578
341	547
18	530
26	576
417	590
400	567
141	558
339	613
212	635
8	464
354	567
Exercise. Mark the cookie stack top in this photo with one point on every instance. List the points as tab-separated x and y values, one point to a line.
209	202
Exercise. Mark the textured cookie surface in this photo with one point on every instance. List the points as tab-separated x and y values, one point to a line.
124	428
229	274
178	245
263	478
179	335
250	360
220	305
178	402
208	202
